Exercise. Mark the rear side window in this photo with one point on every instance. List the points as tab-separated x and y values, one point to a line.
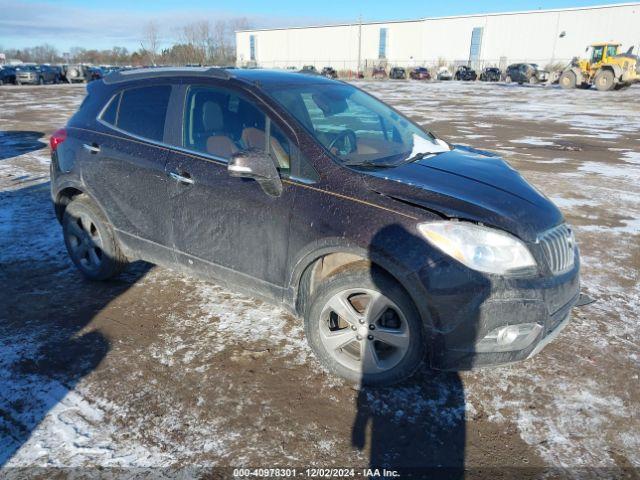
140	111
110	113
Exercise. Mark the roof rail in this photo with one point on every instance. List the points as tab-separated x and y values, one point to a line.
159	72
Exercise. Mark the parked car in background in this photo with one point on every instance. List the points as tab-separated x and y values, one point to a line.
7	74
491	74
420	73
74	73
444	74
329	72
391	248
109	70
379	73
93	73
36	75
309	70
49	73
398	73
466	74
525	73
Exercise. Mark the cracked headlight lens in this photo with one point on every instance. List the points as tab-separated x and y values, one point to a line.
481	248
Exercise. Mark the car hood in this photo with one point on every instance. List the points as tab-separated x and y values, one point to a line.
469	184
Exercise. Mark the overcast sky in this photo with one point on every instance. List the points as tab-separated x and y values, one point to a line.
103	24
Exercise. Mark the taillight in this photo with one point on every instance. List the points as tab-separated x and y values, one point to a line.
57	138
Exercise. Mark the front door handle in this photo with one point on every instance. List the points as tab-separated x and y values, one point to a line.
184	178
93	148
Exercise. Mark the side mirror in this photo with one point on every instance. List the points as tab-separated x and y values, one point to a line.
259	166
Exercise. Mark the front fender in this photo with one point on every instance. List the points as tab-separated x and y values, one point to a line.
406	274
579	77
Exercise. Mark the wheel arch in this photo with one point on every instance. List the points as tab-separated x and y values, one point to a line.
64	197
615	69
320	261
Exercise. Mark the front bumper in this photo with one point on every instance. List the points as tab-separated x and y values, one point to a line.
27	79
467	308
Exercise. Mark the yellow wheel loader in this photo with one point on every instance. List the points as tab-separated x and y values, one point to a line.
604	67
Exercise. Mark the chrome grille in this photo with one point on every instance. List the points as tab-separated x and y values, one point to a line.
558	248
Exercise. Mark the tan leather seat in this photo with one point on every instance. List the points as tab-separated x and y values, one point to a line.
255	138
221	146
217	144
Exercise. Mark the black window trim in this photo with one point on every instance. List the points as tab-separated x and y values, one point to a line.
180	90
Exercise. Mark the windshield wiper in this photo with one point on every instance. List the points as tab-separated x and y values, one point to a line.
417	156
370	163
375	163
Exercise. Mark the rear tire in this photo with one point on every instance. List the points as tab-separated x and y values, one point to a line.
567	80
605	80
90	241
364	327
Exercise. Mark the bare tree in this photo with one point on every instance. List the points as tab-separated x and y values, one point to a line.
199	42
151	41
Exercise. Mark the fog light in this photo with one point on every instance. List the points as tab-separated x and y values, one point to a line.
509	338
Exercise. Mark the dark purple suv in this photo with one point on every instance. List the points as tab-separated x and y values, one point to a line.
392	244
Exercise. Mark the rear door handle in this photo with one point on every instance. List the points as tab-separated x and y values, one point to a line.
185	178
91	148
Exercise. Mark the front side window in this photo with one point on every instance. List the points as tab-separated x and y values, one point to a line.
597	54
140	111
612	50
220	122
355	127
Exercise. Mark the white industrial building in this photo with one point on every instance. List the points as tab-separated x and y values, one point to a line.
497	39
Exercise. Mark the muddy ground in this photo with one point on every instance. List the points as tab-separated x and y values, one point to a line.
158	369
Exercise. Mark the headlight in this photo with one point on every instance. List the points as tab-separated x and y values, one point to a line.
480	248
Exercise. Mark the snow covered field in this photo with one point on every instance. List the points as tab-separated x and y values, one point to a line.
157	369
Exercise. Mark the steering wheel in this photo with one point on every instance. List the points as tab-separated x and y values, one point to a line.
347	133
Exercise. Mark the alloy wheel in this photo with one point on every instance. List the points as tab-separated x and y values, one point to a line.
364	330
85	242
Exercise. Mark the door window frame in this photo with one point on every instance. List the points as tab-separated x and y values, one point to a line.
117	94
296	155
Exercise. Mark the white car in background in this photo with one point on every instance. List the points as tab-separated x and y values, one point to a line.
444	74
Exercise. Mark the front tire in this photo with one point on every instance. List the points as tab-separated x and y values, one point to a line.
90	241
364	327
568	80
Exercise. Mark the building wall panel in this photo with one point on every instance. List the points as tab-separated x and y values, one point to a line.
514	37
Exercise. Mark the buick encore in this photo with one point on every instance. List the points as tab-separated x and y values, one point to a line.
393	245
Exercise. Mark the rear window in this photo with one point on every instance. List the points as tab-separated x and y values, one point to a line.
140	111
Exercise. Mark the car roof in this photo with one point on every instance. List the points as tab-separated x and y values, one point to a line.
256	76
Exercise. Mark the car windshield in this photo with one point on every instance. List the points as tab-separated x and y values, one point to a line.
354	126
